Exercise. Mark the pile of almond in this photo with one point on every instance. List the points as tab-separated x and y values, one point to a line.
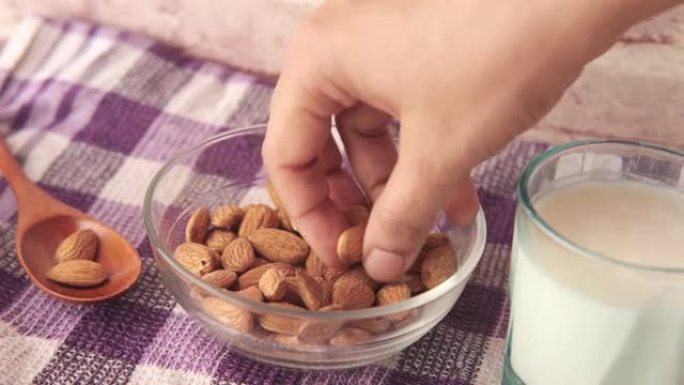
76	265
255	252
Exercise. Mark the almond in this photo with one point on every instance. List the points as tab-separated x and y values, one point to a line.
314	294
280	324
332	274
436	239
279	245
360	273
198	226
349	336
257	217
352	292
292	295
218	239
350	245
314	266
238	255
251	277
284	339
414	282
228	314
357	215
220	278
285	221
319	332
373	325
198	259
79	245
252	293
78	273
393	293
272	285
227	216
284	218
439	264
258	261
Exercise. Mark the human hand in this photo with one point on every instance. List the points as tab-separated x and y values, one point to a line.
463	77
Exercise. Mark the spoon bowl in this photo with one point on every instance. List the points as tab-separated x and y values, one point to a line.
36	252
44	222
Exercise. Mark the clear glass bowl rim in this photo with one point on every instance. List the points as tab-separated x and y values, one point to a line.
462	274
539	222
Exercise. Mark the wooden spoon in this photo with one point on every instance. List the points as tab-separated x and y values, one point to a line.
45	221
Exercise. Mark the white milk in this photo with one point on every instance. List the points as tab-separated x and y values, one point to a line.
581	320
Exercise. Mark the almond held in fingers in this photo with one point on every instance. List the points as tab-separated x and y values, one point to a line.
393	293
82	245
257	217
350	245
352	292
273	285
438	265
314	294
226	216
78	273
238	255
218	239
279	245
198	259
251	277
220	278
197	226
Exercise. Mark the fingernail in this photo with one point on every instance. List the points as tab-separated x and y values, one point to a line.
383	265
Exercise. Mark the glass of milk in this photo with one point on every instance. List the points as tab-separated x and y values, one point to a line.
597	269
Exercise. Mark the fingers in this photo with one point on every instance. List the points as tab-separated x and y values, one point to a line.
462	204
295	156
343	189
369	144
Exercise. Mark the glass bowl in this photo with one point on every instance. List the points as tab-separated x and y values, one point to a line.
227	168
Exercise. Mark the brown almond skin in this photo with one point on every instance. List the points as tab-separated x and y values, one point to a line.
78	273
257	217
319	332
279	245
226	216
198	259
414	282
352	292
393	293
218	239
439	264
231	315
350	245
197	226
280	324
273	285
436	239
349	336
360	273
238	256
251	277
314	294
82	244
220	278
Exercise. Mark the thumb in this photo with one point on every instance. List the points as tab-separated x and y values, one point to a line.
401	219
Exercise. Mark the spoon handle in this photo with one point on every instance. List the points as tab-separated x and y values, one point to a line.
12	171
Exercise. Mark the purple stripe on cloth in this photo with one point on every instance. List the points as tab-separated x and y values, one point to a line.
119	330
500	213
80	200
180	337
401	378
241	370
71	365
477	310
12	287
40	315
118	124
237	159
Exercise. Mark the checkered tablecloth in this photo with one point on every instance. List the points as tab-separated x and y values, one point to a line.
92	113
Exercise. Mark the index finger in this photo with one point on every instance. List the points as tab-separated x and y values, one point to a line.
298	130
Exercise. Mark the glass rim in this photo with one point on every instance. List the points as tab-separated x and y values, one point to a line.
461	275
531	211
